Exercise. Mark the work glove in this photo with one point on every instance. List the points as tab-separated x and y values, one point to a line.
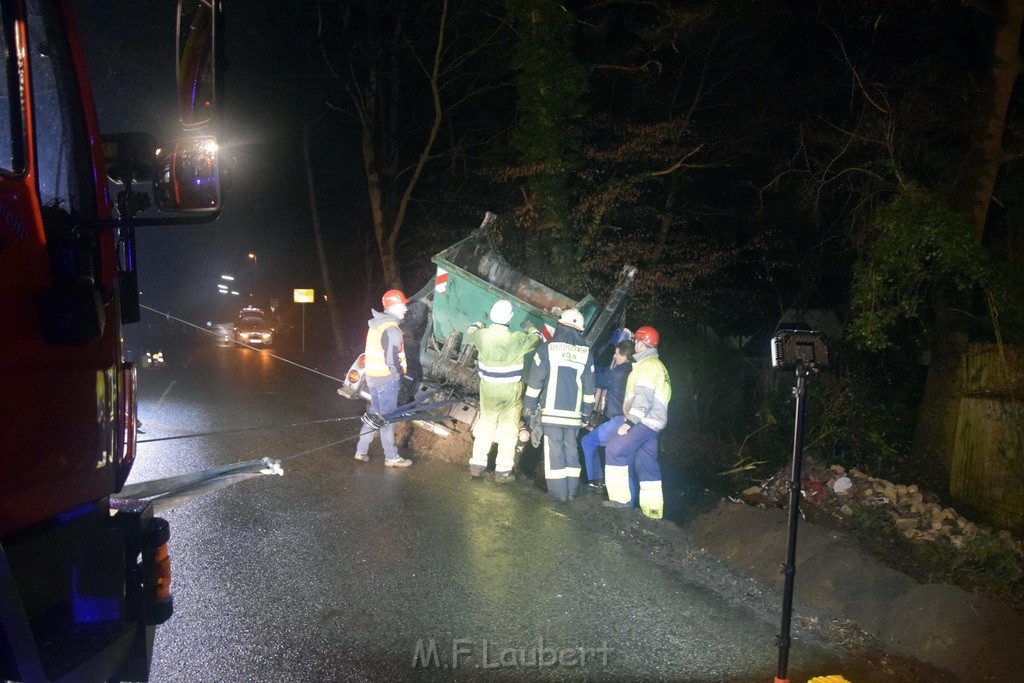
594	420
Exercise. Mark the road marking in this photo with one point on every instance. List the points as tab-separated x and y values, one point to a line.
164	395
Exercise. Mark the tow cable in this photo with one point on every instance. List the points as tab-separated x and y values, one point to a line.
246	429
416	410
169	492
168	316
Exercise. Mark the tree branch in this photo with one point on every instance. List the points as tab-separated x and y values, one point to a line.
650	66
435	92
679	164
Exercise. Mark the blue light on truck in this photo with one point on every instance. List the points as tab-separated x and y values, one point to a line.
90	609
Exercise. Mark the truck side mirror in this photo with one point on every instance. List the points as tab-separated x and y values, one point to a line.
196	56
189	178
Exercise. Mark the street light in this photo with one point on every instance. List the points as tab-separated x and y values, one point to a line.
255	270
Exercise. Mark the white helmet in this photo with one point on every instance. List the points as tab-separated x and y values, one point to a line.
572	318
501	312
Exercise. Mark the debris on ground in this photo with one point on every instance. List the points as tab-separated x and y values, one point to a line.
840	494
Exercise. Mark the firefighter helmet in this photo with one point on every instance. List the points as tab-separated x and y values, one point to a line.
648	335
392	297
501	312
572	318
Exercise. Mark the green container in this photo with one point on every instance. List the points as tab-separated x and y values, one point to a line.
471	276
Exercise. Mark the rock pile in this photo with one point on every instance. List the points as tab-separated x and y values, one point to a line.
841	494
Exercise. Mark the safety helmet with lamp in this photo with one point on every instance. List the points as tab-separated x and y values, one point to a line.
501	312
648	335
392	297
572	318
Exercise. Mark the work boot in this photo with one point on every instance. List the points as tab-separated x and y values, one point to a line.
362	457
398	462
504	477
615	505
475	471
596	485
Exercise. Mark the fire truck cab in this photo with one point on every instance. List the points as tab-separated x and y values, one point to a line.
83	581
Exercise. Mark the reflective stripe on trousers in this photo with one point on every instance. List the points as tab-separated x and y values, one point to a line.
637	447
616	482
561	461
652	501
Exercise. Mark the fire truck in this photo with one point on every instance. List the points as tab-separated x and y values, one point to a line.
84	576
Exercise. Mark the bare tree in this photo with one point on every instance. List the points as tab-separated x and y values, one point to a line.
373	82
401	70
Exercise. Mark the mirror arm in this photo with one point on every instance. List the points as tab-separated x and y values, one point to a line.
114	223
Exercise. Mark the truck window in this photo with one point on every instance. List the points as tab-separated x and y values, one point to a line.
62	155
11	154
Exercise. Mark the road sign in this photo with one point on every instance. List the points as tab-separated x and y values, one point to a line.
303	296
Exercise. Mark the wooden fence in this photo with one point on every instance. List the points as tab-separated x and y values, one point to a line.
987	460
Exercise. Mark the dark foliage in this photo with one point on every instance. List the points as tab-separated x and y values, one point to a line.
740	153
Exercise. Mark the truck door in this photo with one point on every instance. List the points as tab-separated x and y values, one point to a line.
61	357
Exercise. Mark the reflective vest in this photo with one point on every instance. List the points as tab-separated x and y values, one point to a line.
376	362
500	352
648	391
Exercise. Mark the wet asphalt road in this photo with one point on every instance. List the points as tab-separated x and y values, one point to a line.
341	570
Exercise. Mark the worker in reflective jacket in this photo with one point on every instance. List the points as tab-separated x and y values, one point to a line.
385	365
500	353
648	391
562	384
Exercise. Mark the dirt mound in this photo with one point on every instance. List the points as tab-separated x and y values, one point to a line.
972	635
906	528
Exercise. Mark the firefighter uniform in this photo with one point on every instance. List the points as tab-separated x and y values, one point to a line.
648	391
562	384
500	353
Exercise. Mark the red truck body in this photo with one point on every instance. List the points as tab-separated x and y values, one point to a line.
83	581
58	401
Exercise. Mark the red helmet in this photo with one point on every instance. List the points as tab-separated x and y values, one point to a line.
648	335
392	297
